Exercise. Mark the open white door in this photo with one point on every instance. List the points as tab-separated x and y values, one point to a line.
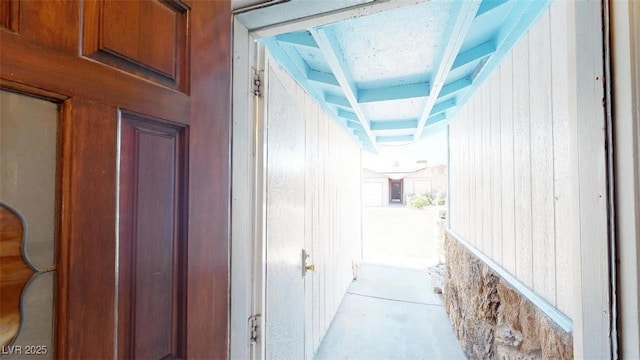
285	180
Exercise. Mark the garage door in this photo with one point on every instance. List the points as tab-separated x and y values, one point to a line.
372	194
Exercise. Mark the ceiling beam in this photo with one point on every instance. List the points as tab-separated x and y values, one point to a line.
337	100
431	129
488	5
394	92
348	115
433	123
445	105
322	77
355	126
329	17
474	54
298	69
455	86
360	134
394	138
462	15
301	38
436	119
521	17
331	51
394	124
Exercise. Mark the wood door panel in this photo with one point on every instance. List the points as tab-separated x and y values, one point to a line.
39	22
152	240
96	313
146	38
70	75
87	250
209	181
9	14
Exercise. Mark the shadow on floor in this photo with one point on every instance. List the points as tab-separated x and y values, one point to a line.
390	313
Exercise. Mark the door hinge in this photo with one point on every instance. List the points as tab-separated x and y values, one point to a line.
254	328
258	82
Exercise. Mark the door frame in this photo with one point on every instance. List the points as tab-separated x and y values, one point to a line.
248	225
625	51
248	159
247	254
391	182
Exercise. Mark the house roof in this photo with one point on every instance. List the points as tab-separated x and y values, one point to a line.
395	76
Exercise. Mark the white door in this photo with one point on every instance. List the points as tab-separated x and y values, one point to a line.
285	303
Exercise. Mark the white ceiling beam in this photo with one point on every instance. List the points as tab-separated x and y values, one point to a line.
336	62
330	17
462	15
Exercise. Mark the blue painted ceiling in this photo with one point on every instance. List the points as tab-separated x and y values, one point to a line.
395	76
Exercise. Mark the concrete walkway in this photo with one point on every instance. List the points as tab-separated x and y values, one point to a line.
401	236
390	313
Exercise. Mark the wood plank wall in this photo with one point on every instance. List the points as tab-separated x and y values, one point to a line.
332	207
509	159
333	213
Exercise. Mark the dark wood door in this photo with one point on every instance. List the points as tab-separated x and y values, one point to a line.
395	191
143	178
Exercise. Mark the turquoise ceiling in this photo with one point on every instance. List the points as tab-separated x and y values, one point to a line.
395	76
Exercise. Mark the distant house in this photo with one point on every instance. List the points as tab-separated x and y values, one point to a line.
392	185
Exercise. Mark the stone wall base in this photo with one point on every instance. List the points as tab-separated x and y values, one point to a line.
492	319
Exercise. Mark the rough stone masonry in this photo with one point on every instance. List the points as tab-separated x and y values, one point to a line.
491	319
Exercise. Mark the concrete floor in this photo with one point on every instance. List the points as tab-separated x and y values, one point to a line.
401	236
390	313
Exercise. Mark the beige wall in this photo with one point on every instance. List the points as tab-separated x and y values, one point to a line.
433	178
510	184
419	182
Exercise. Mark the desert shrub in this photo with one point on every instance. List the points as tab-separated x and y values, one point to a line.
421	200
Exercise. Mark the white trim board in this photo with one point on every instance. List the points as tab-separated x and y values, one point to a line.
290	16
625	30
247	275
588	159
557	316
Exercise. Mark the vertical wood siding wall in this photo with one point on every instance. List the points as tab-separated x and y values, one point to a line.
333	216
332	208
509	159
